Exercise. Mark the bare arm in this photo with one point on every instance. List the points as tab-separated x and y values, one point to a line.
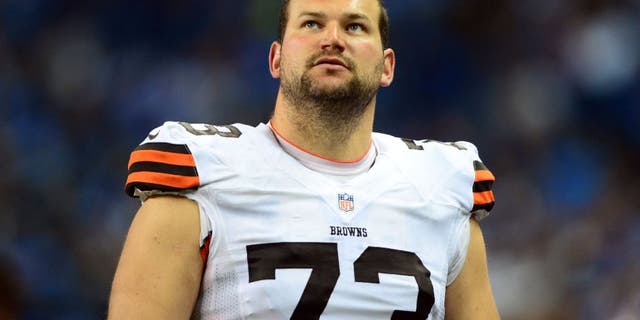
470	295
159	273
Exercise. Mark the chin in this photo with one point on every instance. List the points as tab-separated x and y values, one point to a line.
330	83
329	88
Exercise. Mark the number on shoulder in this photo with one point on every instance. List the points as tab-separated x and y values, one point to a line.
227	131
418	144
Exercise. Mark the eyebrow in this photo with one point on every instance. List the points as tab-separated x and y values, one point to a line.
313	14
322	15
356	16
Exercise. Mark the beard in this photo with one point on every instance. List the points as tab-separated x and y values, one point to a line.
330	109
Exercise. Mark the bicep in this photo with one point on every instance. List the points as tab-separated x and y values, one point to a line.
470	295
159	272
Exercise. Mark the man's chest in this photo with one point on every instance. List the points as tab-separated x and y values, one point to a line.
343	253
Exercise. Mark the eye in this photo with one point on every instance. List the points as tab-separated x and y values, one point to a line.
310	24
355	27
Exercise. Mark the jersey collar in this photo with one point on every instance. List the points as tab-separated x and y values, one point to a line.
325	165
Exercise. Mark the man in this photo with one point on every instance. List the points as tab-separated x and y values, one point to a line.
312	215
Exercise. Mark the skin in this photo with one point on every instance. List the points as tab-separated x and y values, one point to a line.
160	269
470	295
332	32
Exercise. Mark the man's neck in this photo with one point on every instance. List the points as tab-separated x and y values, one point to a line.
322	138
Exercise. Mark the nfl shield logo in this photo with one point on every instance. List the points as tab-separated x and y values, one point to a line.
345	202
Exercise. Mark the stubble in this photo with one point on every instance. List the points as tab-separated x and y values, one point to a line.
326	111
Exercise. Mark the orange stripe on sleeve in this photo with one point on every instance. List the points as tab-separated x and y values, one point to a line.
480	198
178	159
165	179
484	175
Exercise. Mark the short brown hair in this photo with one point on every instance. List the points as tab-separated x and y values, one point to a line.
383	22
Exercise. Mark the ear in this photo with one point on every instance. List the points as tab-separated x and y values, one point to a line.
389	68
274	59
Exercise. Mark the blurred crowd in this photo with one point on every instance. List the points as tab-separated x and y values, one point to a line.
548	90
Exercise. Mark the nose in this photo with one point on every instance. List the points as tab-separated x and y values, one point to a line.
332	38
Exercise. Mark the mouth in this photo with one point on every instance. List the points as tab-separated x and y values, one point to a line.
331	62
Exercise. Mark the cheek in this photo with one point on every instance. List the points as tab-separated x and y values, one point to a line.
294	52
371	55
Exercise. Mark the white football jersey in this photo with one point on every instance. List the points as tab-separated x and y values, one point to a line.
281	241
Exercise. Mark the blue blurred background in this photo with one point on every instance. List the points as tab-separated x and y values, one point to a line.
548	90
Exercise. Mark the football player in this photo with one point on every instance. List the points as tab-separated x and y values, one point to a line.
311	215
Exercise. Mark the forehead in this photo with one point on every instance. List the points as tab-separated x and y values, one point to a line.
369	8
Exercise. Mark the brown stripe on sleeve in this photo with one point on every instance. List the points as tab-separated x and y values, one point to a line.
163	167
483	198
175	181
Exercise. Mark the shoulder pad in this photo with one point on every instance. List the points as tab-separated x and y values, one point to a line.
483	198
166	160
468	183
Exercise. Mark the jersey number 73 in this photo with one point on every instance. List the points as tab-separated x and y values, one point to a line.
322	259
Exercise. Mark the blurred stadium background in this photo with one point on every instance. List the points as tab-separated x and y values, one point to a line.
548	90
